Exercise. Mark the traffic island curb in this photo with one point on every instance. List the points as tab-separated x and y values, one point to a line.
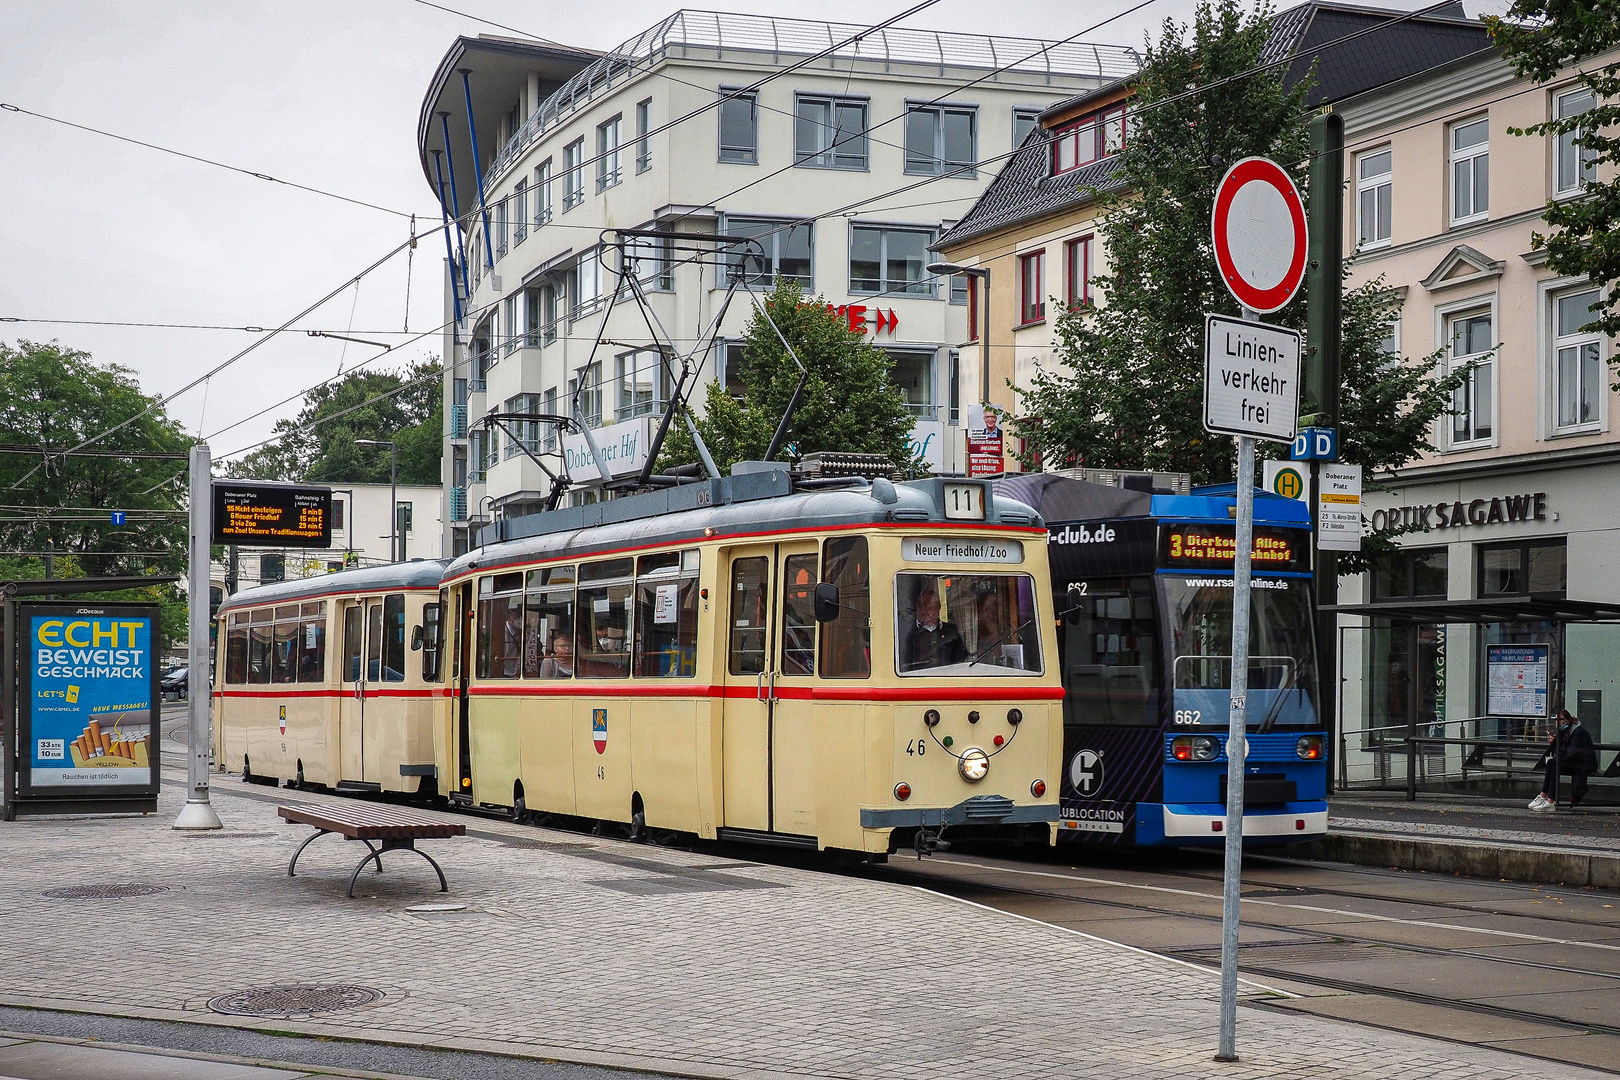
1469	858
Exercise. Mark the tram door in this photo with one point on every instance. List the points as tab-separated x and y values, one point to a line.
362	666
463	675
766	658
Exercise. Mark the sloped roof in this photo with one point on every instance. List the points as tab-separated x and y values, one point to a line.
1023	191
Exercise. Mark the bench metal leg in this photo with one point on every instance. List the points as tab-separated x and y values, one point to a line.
375	854
316	836
443	885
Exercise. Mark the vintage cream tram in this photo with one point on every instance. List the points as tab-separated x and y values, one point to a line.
856	665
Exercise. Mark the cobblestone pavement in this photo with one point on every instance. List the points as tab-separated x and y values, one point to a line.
595	951
1474	832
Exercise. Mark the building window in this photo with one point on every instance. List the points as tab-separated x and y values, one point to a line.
652	261
643	141
729	368
1077	270
885	260
1373	191
1090	138
739	128
1025	120
339	504
532	320
1470	171
573	174
609	158
954	390
641	384
542	192
1471	402
1410	574
527	432
973	307
1031	282
913	376
829	133
549	407
959	289
587	394
586	282
501	209
1523	568
520	212
1575	166
1577	359
272	568
784	250
511	336
942	139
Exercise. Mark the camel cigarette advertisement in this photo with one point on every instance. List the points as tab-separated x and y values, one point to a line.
91	691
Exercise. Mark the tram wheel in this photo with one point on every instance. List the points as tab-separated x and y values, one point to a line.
247	773
298	780
520	810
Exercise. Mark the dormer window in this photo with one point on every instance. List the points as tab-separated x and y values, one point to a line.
1091	138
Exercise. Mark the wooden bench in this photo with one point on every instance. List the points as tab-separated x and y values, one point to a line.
389	826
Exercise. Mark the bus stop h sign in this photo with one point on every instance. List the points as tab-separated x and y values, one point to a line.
1258	227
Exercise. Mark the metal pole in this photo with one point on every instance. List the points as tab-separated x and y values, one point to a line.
198	813
393	502
478	168
984	340
1236	745
8	705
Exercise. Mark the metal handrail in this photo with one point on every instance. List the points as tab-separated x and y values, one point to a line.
1414	742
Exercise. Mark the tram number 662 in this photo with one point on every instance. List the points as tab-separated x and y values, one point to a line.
1188	716
916	748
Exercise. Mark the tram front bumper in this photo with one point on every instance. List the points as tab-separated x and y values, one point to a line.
980	809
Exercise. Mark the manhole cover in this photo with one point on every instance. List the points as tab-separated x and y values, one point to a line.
103	892
288	1001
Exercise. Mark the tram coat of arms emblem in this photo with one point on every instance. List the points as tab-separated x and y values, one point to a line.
599	729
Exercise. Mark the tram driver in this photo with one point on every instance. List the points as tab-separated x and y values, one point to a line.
930	642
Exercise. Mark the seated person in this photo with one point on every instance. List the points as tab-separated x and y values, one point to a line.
560	664
610	658
929	642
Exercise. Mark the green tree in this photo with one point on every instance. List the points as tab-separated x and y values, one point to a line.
57	397
849	402
1541	39
1130	390
318	445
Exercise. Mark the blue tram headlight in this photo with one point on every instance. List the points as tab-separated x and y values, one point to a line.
1195	748
1308	748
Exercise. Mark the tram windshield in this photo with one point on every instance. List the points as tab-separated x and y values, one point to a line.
1282	657
966	624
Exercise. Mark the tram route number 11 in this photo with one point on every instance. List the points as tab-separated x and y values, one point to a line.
964	502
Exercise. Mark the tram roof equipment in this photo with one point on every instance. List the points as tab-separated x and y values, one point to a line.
1060	499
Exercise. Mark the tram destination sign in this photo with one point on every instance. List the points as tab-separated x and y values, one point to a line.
272	515
1214	547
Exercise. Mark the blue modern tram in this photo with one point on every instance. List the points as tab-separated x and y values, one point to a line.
1143	579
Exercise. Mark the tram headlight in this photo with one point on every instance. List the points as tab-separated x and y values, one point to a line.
1195	748
974	765
1308	748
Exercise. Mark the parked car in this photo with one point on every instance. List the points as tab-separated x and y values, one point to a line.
175	682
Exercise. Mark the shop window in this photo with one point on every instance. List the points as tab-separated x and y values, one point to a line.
1409	574
1523	568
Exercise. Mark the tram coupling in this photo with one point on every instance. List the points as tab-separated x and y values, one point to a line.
930	841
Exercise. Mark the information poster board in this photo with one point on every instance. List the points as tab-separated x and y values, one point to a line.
1516	680
89	701
274	515
985	445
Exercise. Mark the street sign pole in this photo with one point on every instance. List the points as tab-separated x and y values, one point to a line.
198	813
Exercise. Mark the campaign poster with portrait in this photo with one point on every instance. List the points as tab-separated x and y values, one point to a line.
984	441
89	700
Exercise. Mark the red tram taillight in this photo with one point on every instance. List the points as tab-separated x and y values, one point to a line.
902	791
1308	748
1037	788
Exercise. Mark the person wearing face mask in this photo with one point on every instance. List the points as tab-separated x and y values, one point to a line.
931	643
1572	753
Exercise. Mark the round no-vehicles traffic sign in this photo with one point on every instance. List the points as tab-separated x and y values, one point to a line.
1259	232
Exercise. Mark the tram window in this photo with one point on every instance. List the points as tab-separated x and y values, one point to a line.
846	642
286	611
550	576
1110	653
666	625
353	638
259	653
799	615
750	610
548	626
602	625
500	636
607	570
374	635
312	643
236	651
966	624
507	582
393	659
1282	659
432	637
284	649
667	562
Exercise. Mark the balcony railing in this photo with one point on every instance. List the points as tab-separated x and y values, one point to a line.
458	421
458	504
782	41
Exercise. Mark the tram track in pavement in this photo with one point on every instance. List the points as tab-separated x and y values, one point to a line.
1366	966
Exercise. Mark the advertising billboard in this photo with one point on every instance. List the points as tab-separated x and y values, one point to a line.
89	701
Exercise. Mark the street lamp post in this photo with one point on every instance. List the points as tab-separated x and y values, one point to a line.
983	274
393	493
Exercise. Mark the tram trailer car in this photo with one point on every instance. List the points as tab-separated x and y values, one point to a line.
1143	581
848	667
333	680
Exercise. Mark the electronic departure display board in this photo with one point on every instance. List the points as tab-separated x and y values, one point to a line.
272	515
1214	547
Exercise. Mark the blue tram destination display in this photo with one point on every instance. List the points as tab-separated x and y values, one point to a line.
91	694
272	515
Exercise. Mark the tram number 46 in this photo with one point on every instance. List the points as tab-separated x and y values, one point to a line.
1188	716
916	747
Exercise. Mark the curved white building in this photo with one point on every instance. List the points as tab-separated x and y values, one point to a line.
845	167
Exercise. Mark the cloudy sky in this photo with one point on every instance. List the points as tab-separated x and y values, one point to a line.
323	93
